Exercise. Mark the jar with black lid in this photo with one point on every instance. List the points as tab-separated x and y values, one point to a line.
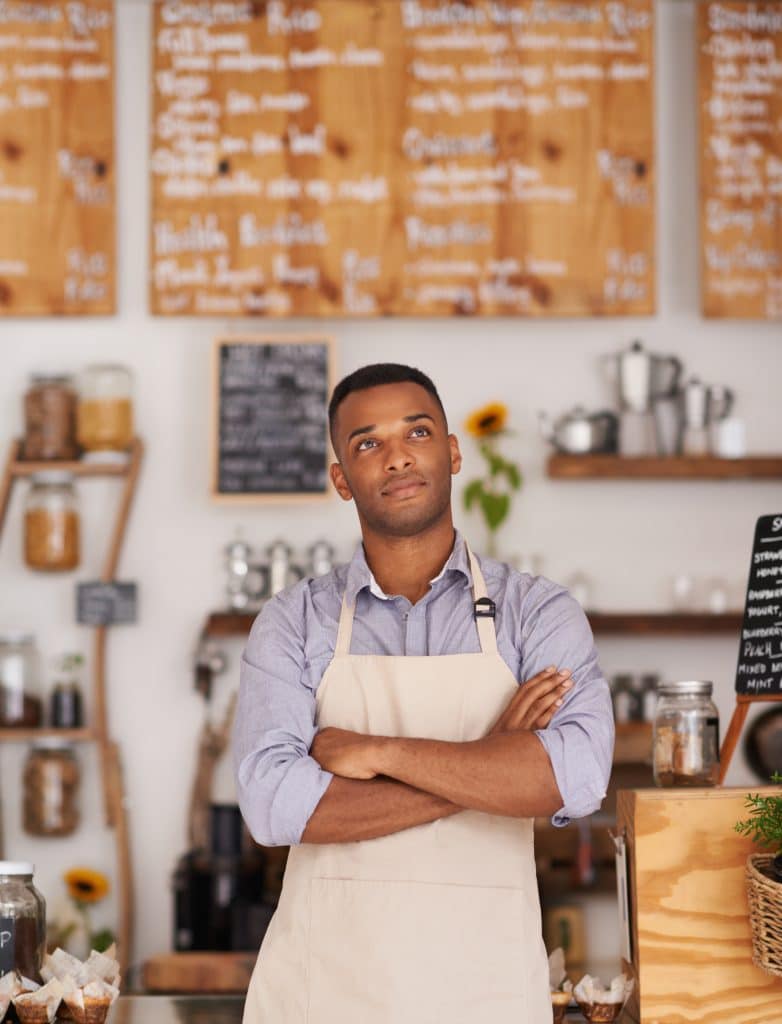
686	735
22	921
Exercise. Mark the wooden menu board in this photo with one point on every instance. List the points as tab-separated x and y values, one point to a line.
56	157
270	425
740	109
424	157
759	669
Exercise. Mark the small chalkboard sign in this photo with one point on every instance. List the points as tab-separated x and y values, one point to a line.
270	435
759	670
105	604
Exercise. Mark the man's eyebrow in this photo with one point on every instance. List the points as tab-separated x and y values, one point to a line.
413	418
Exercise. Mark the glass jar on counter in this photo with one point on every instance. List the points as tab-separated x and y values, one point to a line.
21	705
51	523
686	735
22	921
50	805
104	414
49	418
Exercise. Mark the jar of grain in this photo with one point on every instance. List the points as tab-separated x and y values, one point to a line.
51	523
51	789
104	414
49	418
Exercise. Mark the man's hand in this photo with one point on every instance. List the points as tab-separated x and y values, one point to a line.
536	702
344	753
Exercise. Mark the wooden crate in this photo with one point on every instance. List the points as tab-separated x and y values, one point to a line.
692	947
199	972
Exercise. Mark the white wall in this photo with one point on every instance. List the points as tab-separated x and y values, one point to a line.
630	538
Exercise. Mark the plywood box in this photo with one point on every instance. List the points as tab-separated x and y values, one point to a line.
692	947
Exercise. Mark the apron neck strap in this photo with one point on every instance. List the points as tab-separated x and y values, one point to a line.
484	623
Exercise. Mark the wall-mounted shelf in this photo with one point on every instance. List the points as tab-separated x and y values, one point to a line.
665	623
115	803
670	467
31	735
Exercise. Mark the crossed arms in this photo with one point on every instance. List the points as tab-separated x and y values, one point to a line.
385	784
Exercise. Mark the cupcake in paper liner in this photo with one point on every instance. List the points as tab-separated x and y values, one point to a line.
40	1006
561	986
602	1005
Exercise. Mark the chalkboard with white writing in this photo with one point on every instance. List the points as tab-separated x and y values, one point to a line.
759	670
270	435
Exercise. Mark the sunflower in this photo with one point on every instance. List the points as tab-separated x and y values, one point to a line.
86	885
488	420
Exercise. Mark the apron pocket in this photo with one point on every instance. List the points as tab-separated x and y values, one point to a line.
415	953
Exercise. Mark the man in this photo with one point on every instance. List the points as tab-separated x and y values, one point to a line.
382	732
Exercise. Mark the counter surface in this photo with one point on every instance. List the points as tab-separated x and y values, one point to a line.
194	1010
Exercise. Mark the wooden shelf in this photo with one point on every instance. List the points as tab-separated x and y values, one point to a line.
633	743
670	467
229	623
665	623
11	735
19	467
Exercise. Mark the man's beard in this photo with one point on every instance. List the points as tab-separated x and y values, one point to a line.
407	522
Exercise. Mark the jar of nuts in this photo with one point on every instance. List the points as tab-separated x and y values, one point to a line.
104	416
50	418
51	523
50	805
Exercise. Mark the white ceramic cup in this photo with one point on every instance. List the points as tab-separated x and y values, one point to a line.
729	438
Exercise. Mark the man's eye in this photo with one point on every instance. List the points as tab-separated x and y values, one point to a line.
361	444
423	430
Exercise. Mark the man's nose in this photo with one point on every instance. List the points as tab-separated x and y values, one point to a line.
398	456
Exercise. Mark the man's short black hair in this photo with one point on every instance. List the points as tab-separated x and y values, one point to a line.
373	375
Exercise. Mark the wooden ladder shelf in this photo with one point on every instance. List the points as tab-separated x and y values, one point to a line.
111	768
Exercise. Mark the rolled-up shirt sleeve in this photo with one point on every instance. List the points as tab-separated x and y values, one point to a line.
580	737
278	783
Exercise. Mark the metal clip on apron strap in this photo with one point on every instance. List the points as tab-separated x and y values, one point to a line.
485	608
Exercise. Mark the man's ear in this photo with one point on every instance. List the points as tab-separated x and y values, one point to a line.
456	455
339	481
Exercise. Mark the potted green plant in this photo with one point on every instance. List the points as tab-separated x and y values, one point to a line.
764	877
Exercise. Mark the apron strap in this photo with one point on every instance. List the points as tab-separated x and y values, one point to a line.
486	632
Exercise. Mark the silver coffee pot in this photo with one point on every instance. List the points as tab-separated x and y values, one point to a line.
642	376
702	407
579	432
282	571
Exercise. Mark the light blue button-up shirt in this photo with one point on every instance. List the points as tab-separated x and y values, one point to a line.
292	642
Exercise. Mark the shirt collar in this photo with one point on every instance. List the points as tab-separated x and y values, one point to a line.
360	576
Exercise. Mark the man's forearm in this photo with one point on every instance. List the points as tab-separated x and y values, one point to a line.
504	773
356	809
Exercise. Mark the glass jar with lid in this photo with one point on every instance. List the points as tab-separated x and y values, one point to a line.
686	735
50	418
22	920
50	805
51	522
105	411
21	705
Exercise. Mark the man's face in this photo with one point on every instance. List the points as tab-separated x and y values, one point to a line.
396	458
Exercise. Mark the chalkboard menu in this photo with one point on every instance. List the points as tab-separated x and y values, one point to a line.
759	670
56	157
106	604
271	426
418	157
740	104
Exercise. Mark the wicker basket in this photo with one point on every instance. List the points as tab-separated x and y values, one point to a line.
765	914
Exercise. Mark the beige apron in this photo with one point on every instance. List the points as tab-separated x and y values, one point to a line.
437	924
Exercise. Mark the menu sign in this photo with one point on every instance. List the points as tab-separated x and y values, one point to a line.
740	103
759	670
271	426
56	157
418	157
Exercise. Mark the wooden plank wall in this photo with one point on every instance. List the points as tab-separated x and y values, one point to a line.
371	157
57	173
740	112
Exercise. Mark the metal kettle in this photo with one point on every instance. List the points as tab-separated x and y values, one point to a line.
578	432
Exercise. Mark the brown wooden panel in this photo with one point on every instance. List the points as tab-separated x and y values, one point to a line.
664	467
690	919
198	972
740	112
428	158
57	174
